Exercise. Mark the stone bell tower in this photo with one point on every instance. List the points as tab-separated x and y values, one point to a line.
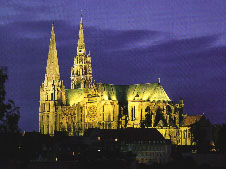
52	91
81	72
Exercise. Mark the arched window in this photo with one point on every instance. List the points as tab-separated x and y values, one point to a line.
81	114
134	111
43	106
51	96
141	115
48	107
113	113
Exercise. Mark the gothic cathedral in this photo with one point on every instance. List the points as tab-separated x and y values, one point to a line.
95	105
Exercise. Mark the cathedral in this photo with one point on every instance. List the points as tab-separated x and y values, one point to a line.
88	104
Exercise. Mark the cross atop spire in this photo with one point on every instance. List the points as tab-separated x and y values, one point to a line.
81	44
52	68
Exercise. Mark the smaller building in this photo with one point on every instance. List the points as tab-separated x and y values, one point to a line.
201	130
147	144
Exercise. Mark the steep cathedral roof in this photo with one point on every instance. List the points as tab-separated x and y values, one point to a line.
122	93
191	119
73	96
145	92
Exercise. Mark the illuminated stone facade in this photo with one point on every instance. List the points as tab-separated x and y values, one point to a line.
94	105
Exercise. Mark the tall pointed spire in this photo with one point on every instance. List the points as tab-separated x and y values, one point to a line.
52	68
81	72
81	44
52	91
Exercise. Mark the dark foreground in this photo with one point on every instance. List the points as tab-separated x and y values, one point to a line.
34	151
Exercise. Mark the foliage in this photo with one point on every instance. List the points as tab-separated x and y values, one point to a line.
220	137
9	112
200	137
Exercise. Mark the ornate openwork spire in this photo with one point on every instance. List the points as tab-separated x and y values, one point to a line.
81	72
81	44
52	68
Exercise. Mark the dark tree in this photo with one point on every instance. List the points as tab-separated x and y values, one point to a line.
3	78
9	113
221	138
200	137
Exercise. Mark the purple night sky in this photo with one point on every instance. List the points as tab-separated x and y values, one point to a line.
181	41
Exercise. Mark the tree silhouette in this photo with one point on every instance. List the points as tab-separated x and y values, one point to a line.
9	112
199	137
221	138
